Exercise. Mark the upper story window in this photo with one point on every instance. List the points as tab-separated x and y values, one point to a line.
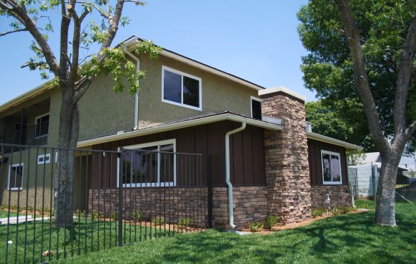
15	177
149	165
255	108
181	89
41	126
331	167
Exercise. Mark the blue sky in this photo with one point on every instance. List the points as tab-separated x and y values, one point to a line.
255	40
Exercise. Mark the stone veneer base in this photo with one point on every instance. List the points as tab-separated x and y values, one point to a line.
339	195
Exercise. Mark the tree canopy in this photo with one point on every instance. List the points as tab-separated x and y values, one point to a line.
365	49
330	120
328	68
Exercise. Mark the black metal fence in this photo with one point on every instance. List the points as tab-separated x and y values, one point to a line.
27	135
119	198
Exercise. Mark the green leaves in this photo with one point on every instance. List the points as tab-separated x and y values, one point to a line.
328	69
147	47
115	64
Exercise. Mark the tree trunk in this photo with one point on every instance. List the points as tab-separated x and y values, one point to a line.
68	137
385	206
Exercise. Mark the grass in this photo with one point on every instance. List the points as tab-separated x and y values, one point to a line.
5	213
351	238
86	236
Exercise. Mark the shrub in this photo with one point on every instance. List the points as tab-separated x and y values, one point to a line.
255	226
187	221
270	221
139	216
114	216
159	220
94	215
339	210
319	211
79	213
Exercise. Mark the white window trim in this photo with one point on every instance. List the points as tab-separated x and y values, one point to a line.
8	176
151	184
36	118
46	157
340	168
251	106
182	74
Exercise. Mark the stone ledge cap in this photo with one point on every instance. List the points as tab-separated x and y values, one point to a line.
281	89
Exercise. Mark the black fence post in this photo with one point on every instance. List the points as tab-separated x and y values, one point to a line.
120	198
210	189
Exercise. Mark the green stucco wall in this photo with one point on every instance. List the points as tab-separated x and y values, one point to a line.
218	93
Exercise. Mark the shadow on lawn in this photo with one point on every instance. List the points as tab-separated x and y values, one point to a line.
351	238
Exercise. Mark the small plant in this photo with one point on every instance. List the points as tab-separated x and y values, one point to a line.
30	209
139	216
319	211
187	221
339	210
79	213
114	216
255	226
159	220
270	221
94	215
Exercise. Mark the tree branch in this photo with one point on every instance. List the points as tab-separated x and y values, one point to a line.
20	13
411	129
112	30
403	78
12	31
360	74
75	43
63	64
102	13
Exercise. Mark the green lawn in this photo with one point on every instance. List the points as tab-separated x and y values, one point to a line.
86	236
5	213
349	238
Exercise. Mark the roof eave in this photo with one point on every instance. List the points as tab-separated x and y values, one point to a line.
179	125
26	96
181	58
333	141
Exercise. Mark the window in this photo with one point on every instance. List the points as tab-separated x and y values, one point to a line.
255	108
44	159
331	167
149	165
41	126
181	89
15	179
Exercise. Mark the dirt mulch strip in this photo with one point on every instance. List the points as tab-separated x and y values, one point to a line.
280	226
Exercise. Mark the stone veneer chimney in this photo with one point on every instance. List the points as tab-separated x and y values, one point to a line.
286	152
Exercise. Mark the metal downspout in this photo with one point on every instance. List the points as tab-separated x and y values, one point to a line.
228	172
136	101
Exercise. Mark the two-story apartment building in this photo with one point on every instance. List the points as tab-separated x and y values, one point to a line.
263	161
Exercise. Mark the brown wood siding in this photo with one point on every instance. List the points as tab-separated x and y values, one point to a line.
247	154
315	164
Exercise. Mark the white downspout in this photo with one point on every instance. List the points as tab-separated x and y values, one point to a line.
228	172
136	101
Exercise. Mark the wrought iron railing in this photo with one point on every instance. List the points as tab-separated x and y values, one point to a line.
36	135
119	198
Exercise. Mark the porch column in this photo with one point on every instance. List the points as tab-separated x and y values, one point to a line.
286	152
